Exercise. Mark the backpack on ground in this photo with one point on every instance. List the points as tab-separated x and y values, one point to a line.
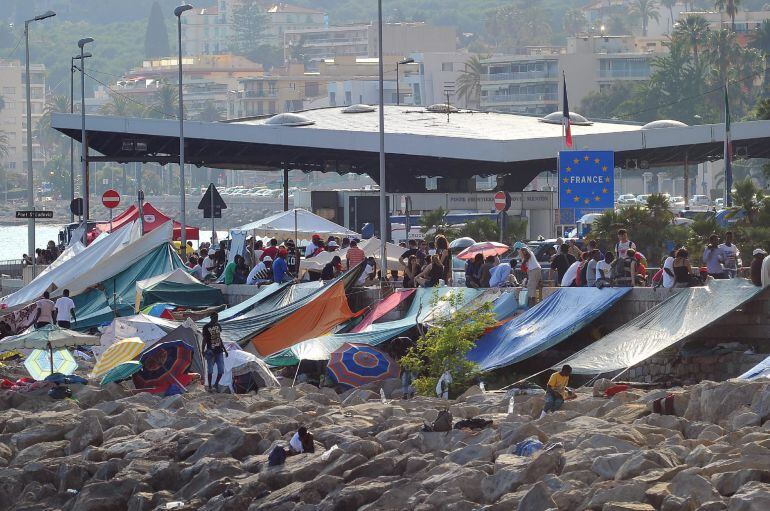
277	456
442	423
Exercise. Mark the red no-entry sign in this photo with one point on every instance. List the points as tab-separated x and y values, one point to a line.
110	199
500	201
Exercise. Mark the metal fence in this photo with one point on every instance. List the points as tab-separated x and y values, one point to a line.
12	268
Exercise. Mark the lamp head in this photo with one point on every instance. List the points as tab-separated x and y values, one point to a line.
85	41
47	14
85	56
182	8
407	61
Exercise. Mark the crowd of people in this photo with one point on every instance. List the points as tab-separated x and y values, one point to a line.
43	256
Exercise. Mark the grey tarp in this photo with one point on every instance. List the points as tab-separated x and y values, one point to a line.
667	323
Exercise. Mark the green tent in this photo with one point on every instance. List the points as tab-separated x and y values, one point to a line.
184	295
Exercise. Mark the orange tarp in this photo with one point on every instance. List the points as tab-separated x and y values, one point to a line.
316	318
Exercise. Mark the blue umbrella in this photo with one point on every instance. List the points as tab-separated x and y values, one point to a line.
355	365
122	372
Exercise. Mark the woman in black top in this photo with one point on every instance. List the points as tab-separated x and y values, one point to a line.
682	269
332	269
445	257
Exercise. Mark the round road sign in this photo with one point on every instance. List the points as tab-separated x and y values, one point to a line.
110	199
500	201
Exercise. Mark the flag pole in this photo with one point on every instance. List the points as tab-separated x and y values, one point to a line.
728	150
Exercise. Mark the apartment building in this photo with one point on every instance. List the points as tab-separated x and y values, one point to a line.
209	30
288	90
436	74
745	21
13	116
532	83
311	46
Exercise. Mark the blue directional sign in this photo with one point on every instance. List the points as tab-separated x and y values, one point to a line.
586	180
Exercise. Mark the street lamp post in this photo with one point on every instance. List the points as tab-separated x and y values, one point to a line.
72	141
398	90
178	13
383	207
83	141
30	172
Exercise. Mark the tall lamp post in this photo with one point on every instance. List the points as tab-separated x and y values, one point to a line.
72	141
178	13
398	91
30	174
383	207
83	141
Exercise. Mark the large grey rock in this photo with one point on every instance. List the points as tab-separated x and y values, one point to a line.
728	483
538	498
616	491
44	450
643	461
88	432
607	466
508	479
231	441
752	496
689	484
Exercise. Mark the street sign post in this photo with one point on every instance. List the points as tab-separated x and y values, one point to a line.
34	214
212	205
110	199
502	204
76	206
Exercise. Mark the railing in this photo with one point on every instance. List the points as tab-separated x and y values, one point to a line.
518	76
522	98
13	268
624	73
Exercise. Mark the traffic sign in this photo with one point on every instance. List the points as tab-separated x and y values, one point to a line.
34	214
76	206
110	199
212	202
502	201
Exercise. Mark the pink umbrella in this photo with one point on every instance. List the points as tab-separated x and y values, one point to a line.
487	248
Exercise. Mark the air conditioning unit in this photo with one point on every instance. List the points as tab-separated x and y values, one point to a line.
632	164
644	164
742	151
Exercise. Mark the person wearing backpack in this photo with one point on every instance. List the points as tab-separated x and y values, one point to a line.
623	245
625	270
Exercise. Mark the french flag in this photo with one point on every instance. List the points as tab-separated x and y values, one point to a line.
566	128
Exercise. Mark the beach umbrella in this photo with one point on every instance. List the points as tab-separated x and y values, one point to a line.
355	365
486	248
121	351
41	363
461	243
48	337
158	310
122	371
162	364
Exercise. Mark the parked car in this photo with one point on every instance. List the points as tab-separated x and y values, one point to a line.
627	199
719	203
642	199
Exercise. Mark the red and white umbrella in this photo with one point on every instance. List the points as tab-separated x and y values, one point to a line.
487	248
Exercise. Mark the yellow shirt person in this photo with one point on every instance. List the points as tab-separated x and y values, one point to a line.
556	390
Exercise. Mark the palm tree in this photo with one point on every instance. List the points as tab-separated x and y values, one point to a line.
211	113
669	4
749	197
121	106
435	222
647	10
44	133
659	207
165	104
760	40
469	82
730	7
695	30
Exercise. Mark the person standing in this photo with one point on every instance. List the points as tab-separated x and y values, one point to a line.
562	262
596	256
486	271
574	250
532	269
261	273
604	270
625	270
712	257
445	256
669	279
312	246
730	256
280	268
556	390
214	350
756	266
354	255
46	311
65	310
623	244
682	268
765	272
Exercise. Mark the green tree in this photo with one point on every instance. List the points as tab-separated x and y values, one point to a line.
211	113
748	197
481	229
760	40
646	10
444	347
693	29
248	29
435	222
122	106
608	102
730	7
165	103
469	82
156	35
669	4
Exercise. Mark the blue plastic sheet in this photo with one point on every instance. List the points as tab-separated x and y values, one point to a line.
761	370
546	324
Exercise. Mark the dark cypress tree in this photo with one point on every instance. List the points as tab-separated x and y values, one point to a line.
156	37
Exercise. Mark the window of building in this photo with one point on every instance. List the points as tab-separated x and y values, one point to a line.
271	107
348	97
447	66
332	99
9	91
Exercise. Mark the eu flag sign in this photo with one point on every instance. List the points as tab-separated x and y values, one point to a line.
586	180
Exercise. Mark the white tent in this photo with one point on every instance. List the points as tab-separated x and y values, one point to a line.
148	328
238	358
68	253
179	276
295	223
371	248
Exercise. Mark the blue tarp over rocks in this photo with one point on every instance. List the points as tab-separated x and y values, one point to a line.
761	370
667	323
546	324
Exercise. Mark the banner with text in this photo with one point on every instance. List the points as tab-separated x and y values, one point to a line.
586	180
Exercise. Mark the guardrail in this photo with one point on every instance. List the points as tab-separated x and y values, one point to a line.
13	268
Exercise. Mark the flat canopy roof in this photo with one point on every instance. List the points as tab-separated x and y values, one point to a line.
417	143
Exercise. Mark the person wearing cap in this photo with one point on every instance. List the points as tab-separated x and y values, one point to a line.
757	260
271	251
262	272
332	245
280	268
312	246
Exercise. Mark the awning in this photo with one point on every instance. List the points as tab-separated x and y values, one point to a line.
546	324
371	248
153	218
669	322
299	221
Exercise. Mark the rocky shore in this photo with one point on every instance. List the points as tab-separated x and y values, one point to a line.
113	450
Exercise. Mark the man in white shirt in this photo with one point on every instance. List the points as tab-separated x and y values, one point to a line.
765	272
65	310
623	244
570	275
261	272
668	272
730	255
207	264
46	311
604	270
312	246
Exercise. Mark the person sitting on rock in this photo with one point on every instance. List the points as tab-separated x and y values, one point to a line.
302	441
556	390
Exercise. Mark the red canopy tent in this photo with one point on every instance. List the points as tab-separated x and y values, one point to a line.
153	218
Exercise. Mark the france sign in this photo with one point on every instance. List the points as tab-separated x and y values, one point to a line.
586	180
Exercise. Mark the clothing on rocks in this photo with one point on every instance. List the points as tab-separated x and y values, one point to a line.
442	386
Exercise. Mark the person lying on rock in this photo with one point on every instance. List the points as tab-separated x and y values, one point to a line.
302	441
556	390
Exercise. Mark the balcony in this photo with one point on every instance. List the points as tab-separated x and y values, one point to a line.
529	75
260	94
522	98
637	74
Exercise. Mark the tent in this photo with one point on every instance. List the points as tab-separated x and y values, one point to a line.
147	328
95	264
153	218
371	248
295	223
546	324
177	287
240	362
667	323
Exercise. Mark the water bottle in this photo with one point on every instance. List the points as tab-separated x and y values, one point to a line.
510	405
382	396
482	387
